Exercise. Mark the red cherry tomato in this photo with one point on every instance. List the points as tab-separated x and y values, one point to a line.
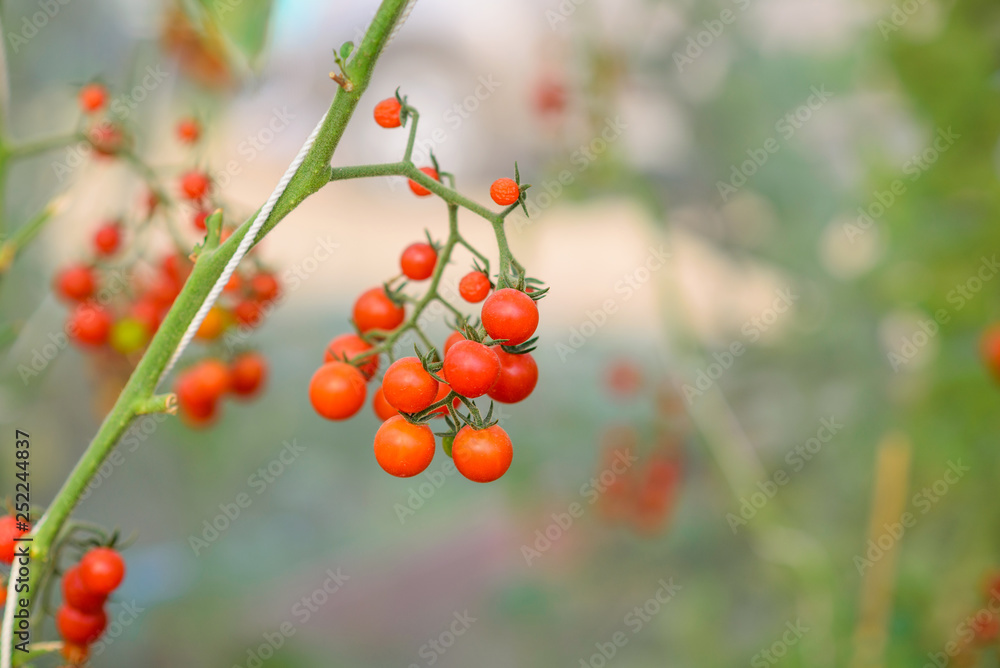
188	130
265	287
403	449
387	113
374	310
518	377
471	368
89	325
102	570
510	314
505	191
77	595
337	390
248	312
247	374
76	283
8	532
418	261
381	407
408	387
93	97
418	189
483	455
348	346
452	339
107	239
78	627
474	287
195	185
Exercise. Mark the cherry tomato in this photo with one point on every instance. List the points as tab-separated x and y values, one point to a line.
510	314
418	261
129	335
247	374
107	139
89	325
248	312
482	455
350	346
102	569
93	97
204	383
77	595
474	287
199	221
403	449
188	130
471	368
387	113
235	284
8	532
265	287
76	283
195	185
505	191
176	267
78	627
408	387
381	407
452	339
518	377
215	323
418	189
107	239
374	310
337	390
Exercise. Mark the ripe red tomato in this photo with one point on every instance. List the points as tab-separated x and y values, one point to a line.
452	339
78	627
505	191
107	139
518	377
483	455
510	314
471	368
418	261
403	449
93	97
247	374
265	287
474	287
76	283
248	312
195	185
188	130
89	325
107	239
350	346
418	189
205	382
77	595
235	284
381	407
337	390
8	532
387	113
407	387
215	323
199	221
102	570
374	310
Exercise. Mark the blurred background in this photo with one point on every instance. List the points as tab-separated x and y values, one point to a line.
766	225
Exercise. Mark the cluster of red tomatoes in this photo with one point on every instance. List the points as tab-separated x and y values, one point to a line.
86	586
202	385
492	359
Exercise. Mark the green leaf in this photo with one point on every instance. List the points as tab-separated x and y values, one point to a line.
346	49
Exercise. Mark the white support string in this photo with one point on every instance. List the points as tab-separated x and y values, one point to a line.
402	19
242	250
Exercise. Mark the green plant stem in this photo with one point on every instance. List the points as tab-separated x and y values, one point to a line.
313	174
23	235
